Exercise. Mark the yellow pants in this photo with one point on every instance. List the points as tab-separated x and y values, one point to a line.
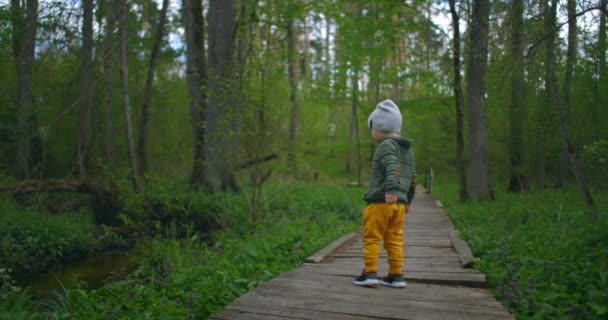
383	221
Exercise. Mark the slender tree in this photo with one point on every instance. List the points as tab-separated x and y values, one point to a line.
557	103
145	108
354	127
567	101
462	175
549	41
220	111
479	188
517	181
601	96
293	94
196	75
109	80
25	26
124	89
86	88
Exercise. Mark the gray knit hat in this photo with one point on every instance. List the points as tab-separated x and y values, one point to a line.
386	117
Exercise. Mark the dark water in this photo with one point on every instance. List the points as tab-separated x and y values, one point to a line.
94	271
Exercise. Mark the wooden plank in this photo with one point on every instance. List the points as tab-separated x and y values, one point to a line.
246	312
464	252
438	286
414	291
321	254
359	302
414	242
447	261
467	279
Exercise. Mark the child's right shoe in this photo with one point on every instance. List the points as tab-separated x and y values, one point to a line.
366	279
393	280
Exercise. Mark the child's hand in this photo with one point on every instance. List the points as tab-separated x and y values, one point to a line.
390	198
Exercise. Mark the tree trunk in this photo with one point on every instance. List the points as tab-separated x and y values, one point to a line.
109	82
565	113
306	50
517	181
293	96
145	108
86	88
124	89
601	86
220	112
548	31
479	188
196	74
561	114
462	175
25	25
355	149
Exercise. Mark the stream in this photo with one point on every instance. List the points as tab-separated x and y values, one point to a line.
93	271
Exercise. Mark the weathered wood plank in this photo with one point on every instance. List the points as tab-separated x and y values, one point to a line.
245	312
358	302
414	291
464	252
438	287
321	254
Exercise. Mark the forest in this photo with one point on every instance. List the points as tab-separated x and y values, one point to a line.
206	146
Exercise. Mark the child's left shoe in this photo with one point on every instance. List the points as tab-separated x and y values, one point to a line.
366	279
393	280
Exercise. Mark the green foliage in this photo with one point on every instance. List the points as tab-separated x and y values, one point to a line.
595	155
185	278
544	255
14	302
30	239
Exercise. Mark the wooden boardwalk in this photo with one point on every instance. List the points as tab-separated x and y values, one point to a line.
438	287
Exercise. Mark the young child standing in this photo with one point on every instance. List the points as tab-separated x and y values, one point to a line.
391	189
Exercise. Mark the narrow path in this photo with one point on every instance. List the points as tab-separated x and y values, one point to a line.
438	287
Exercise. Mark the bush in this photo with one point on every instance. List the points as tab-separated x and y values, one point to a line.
186	278
544	254
30	239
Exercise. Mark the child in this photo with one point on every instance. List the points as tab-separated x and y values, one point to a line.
391	190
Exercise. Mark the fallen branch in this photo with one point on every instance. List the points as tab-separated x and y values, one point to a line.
253	162
104	202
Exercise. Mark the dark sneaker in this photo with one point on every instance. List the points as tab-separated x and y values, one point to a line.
393	280
366	279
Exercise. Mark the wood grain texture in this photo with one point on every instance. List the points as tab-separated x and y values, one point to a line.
438	287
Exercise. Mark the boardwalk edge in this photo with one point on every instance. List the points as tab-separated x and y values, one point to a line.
321	254
462	248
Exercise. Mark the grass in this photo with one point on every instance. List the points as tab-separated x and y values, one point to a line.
186	278
545	255
29	239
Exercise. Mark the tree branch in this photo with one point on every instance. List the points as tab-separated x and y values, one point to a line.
559	26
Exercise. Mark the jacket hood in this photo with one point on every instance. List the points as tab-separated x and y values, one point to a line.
405	143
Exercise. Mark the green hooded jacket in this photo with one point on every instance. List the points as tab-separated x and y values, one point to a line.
391	171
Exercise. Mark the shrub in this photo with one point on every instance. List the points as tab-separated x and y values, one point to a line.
544	254
30	239
186	278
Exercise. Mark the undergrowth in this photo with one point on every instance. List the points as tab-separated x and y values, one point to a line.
544	253
188	278
30	239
